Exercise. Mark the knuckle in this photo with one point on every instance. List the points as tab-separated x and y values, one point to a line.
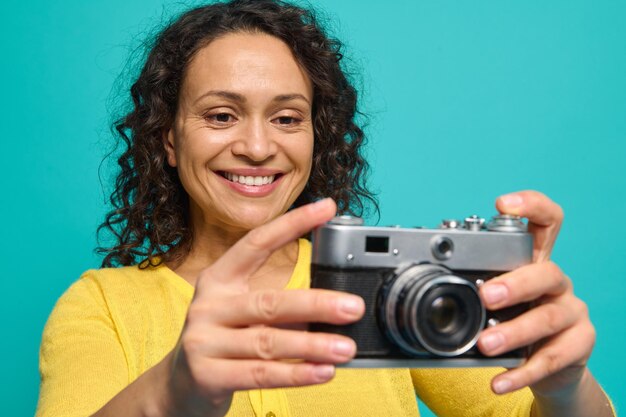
320	301
256	239
326	306
589	331
259	375
197	311
592	336
583	308
194	313
552	317
317	345
191	343
555	273
569	285
553	269
265	343
559	214
556	277
552	363
267	305
301	374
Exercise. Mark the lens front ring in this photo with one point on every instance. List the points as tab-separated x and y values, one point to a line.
415	318
420	279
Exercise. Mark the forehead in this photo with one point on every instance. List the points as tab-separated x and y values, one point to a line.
252	64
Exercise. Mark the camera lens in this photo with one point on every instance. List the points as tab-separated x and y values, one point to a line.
447	315
427	309
443	316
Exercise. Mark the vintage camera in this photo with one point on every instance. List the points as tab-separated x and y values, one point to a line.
420	287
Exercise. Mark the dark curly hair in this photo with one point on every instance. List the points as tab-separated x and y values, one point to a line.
150	218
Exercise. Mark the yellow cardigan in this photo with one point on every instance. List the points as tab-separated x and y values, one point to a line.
114	324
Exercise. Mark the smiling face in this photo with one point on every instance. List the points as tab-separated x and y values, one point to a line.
242	139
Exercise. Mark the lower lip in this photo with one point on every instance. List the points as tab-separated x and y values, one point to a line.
252	190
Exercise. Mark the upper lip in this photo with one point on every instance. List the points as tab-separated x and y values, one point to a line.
252	171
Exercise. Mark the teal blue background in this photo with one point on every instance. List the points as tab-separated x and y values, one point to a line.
467	100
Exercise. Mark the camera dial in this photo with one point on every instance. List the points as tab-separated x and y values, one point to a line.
425	309
450	224
506	223
474	223
346	220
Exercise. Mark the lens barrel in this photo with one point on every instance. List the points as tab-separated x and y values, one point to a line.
426	309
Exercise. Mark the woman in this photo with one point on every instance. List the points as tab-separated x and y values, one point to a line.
242	117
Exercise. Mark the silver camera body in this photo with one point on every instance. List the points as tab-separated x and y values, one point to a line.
420	288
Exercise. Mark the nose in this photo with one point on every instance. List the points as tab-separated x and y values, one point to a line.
255	142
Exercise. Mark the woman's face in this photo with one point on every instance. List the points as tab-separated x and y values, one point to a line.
242	139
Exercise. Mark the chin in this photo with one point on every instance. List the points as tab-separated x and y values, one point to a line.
252	217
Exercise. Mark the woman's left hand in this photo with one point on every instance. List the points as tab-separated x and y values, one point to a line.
558	325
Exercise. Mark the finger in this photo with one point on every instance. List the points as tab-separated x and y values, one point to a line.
269	343
535	206
544	218
570	349
250	252
275	307
237	375
523	284
526	329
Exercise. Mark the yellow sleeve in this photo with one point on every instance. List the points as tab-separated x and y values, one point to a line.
81	360
467	392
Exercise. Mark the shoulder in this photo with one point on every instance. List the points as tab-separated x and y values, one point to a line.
125	281
98	290
122	276
88	294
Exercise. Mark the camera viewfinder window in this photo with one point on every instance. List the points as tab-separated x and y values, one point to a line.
377	244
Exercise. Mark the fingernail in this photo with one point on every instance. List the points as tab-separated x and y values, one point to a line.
343	348
512	200
502	386
491	341
494	293
350	305
324	372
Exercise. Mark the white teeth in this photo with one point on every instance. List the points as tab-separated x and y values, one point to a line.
249	180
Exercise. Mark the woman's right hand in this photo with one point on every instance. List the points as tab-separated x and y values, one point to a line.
233	339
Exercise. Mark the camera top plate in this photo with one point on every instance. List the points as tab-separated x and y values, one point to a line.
346	243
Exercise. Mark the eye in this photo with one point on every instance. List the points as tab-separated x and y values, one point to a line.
287	121
221	119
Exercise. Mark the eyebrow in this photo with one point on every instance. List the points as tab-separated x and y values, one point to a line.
288	97
238	98
228	95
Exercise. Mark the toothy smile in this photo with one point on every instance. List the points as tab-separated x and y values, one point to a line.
249	179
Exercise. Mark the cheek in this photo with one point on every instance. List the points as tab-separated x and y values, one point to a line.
310	153
199	146
305	151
